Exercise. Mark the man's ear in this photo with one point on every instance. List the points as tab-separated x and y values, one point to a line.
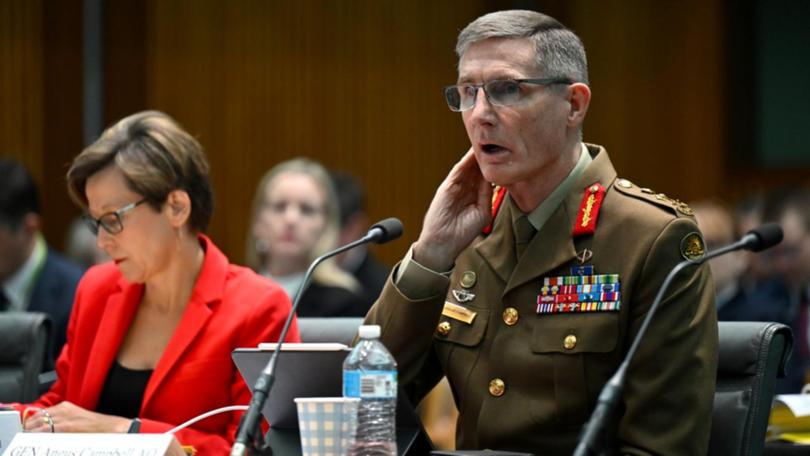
579	98
178	207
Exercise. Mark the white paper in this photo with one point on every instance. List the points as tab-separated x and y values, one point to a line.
66	444
312	346
799	404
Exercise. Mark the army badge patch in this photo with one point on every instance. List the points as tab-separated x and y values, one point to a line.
692	246
580	293
463	296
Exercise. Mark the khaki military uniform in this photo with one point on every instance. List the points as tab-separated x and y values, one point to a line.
524	380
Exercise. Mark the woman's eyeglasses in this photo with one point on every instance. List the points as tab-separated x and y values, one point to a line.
110	221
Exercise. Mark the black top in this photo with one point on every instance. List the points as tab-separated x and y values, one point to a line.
328	301
372	276
123	391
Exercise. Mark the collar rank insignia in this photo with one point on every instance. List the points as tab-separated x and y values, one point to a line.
589	210
580	293
463	296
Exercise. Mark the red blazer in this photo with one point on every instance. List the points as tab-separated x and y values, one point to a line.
230	307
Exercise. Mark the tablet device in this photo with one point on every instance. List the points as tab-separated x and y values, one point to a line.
315	370
303	370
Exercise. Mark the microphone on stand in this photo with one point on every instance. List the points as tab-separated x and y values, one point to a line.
248	432
758	239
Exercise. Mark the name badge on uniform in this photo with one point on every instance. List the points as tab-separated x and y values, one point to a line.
580	293
458	312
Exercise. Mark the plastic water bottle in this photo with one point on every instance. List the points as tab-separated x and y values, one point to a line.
370	373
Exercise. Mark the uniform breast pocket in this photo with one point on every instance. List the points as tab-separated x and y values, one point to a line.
457	344
581	347
462	333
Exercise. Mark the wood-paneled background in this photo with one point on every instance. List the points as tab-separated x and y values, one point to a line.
357	85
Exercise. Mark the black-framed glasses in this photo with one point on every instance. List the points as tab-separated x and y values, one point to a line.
500	92
110	221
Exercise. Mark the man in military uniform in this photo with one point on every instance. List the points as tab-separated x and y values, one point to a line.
527	296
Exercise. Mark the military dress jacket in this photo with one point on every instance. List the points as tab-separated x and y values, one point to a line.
525	376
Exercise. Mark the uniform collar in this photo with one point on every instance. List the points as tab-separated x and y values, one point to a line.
553	245
540	215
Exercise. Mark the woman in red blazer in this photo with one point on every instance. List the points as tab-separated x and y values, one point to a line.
151	334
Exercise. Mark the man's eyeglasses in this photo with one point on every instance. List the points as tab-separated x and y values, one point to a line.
499	92
110	221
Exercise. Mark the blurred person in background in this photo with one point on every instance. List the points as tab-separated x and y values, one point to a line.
151	333
354	224
789	264
81	246
33	277
747	216
717	224
295	219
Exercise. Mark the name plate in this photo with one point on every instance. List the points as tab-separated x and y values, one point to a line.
66	444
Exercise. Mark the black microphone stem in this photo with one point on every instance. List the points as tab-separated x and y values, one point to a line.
612	390
249	426
271	365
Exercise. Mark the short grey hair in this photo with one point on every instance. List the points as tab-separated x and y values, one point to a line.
558	51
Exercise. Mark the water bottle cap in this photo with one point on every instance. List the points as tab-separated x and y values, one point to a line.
369	331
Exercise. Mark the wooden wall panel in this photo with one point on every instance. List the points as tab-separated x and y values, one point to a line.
657	74
40	98
356	85
62	104
21	110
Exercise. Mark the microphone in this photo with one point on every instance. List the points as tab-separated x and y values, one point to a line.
384	231
379	233
763	237
758	239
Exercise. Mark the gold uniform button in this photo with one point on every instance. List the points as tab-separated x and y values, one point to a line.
510	316
625	183
468	279
570	342
497	387
443	328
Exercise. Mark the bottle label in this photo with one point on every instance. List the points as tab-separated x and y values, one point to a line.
370	384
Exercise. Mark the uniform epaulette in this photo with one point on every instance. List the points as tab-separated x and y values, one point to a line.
677	206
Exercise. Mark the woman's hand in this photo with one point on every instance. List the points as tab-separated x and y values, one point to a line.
69	417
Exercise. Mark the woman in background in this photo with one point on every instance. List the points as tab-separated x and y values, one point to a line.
295	219
151	333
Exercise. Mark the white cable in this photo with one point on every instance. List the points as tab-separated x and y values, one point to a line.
205	415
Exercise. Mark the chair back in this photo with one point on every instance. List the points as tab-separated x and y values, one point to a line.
330	329
24	345
752	355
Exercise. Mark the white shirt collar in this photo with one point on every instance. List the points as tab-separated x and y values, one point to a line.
18	287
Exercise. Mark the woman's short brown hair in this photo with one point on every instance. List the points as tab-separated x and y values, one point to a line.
156	156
